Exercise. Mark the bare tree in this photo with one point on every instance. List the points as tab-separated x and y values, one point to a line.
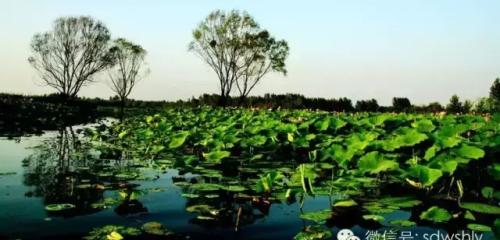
235	47
71	54
129	59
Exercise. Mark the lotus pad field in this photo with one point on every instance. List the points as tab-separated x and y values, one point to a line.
445	169
242	174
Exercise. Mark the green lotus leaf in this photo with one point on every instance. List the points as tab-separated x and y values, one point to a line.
59	207
322	125
155	190
494	171
470	216
411	138
425	175
467	151
98	205
190	195
155	228
436	214
200	208
234	188
255	141
206	186
376	218
319	216
479	227
182	184
315	232
104	232
496	228
337	123
379	210
178	139
163	161
216	156
480	207
402	202
345	203
487	192
447	142
126	175
431	152
375	162
378	120
403	223
424	125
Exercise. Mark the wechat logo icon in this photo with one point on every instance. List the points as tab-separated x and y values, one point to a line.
346	234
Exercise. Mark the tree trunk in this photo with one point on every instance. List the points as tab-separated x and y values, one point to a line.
122	109
241	100
222	100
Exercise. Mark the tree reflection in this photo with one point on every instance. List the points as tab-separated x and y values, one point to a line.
54	172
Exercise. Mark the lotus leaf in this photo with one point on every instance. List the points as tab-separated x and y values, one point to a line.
155	190
425	175
345	203
403	223
479	227
376	218
234	188
480	207
315	232
467	151
155	228
104	232
182	184
200	208
190	195
436	214
206	186
402	202
216	156
375	162
318	217
59	207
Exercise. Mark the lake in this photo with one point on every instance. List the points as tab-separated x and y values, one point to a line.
45	168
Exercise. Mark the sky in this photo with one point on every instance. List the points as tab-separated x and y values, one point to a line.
425	50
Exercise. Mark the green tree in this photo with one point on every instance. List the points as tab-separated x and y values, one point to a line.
401	104
481	105
367	105
434	107
485	105
129	70
455	106
238	50
467	107
71	54
495	92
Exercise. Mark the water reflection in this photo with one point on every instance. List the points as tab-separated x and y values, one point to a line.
53	172
63	169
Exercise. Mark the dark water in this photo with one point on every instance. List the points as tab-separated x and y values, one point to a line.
39	182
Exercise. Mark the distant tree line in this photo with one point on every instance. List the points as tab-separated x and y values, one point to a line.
482	105
78	49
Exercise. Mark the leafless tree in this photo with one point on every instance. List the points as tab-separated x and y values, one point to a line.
123	76
71	54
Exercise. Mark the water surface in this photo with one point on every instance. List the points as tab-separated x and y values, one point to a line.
44	166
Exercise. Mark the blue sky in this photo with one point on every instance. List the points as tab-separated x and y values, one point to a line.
425	50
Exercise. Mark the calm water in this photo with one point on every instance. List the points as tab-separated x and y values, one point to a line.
41	180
